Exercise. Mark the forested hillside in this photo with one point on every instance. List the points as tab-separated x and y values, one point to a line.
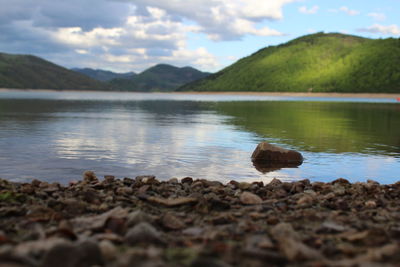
318	63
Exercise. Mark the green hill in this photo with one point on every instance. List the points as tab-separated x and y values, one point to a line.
103	75
161	77
318	63
30	72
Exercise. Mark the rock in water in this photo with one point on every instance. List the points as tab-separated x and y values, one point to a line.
267	153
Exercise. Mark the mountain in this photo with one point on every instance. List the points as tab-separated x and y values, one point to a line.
319	63
103	75
161	77
31	72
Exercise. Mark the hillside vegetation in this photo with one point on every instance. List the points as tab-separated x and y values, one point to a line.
318	63
161	77
30	72
103	75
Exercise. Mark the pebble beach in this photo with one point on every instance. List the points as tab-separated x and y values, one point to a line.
187	222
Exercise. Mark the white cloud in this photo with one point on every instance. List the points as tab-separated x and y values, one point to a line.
345	9
377	16
311	10
223	19
125	35
81	51
349	11
382	29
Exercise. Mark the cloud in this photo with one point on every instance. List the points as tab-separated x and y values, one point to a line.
377	16
130	34
311	10
345	9
349	11
223	19
382	29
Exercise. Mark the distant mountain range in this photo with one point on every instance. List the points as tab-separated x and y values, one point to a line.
161	77
103	75
30	72
313	63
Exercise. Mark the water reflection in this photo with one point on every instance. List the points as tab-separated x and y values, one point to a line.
56	139
266	167
321	126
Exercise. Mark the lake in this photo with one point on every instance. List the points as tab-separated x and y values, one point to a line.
56	136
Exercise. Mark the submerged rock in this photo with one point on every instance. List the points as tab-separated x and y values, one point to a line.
269	155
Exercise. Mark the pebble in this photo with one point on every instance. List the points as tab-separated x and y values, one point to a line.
143	233
248	198
171	222
370	204
108	250
89	176
144	222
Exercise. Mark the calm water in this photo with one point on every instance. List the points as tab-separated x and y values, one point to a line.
56	136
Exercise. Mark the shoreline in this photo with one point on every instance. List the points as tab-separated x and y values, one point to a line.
286	94
187	222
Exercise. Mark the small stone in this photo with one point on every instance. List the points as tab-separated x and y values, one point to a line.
370	204
341	181
173	181
330	227
90	254
124	191
62	255
137	217
188	180
89	176
171	222
109	178
259	242
171	202
193	231
86	253
291	245
108	250
27	189
143	233
146	179
248	198
98	222
244	185
275	182
35	182
305	200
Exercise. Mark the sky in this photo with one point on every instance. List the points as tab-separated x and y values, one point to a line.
132	35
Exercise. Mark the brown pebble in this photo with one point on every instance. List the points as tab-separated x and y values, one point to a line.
248	198
89	176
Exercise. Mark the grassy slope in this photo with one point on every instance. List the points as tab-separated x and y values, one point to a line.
323	62
30	72
161	77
